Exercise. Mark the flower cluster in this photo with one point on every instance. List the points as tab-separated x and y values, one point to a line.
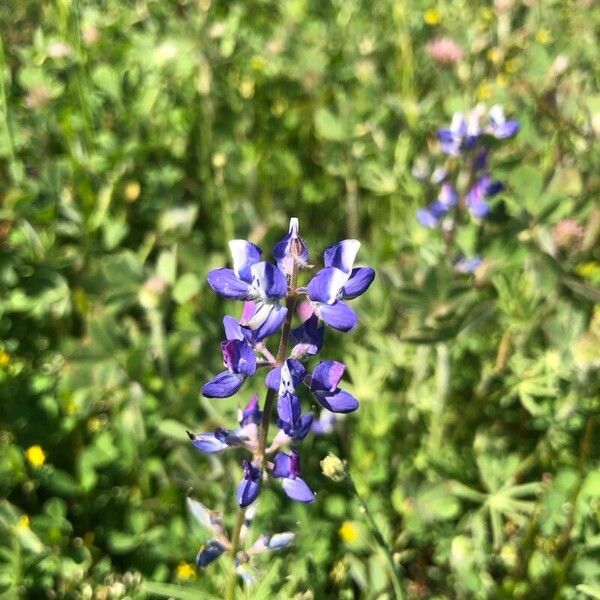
270	292
469	140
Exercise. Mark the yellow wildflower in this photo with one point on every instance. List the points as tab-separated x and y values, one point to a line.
588	270
4	359
94	424
494	55
484	91
348	532
543	36
487	14
132	191
185	571
23	522
36	456
247	88
501	80
218	160
431	16
257	63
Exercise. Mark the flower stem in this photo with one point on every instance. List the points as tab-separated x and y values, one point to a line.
235	543
281	354
378	536
264	426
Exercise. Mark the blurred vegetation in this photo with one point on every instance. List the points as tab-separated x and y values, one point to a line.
136	138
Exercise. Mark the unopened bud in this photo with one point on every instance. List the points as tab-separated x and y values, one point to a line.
333	467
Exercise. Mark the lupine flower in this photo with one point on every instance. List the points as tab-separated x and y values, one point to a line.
240	360
260	282
324	424
309	338
432	215
272	542
324	386
476	196
499	126
339	281
212	521
448	196
461	135
287	468
209	553
289	376
290	249
294	424
249	487
467	265
221	439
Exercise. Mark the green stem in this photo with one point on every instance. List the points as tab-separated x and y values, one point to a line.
15	172
235	543
264	426
378	536
443	385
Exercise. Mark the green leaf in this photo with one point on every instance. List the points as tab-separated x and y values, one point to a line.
176	591
378	179
107	79
589	590
328	126
187	287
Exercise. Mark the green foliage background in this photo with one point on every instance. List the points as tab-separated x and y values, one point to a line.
136	138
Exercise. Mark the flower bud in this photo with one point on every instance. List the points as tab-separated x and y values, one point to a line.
333	467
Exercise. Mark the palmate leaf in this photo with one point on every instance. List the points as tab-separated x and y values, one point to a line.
178	592
592	591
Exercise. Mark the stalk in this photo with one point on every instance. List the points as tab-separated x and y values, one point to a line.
379	539
264	426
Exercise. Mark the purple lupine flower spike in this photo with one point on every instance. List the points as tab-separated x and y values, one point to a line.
262	286
292	248
249	487
324	386
499	126
287	468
